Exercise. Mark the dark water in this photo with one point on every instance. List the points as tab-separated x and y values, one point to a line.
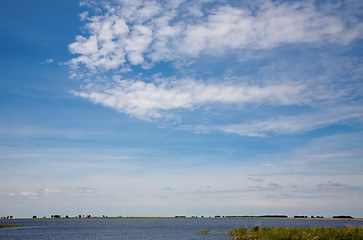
183	229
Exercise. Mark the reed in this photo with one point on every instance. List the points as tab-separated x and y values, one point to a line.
316	233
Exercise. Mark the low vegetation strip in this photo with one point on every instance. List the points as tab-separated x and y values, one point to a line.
205	232
11	226
316	233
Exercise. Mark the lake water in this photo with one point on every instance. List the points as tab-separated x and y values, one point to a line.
129	228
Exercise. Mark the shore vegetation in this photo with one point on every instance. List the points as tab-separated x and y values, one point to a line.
316	233
10	226
205	232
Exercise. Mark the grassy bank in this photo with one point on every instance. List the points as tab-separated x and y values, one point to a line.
11	226
317	233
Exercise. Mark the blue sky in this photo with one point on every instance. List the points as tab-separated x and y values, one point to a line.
163	108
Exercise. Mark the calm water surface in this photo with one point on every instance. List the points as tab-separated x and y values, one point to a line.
183	229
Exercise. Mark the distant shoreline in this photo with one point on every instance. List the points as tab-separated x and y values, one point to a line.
257	217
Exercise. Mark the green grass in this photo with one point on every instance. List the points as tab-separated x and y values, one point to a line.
205	232
316	233
11	226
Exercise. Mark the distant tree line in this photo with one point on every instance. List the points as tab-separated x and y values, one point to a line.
217	216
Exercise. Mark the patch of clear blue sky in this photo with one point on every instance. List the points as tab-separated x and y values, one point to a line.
31	33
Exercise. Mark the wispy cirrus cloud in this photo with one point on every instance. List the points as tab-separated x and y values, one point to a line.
297	123
268	187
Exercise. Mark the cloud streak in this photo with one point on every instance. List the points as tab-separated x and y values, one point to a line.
333	186
296	124
149	100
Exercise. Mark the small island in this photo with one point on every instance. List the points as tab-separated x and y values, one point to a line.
11	226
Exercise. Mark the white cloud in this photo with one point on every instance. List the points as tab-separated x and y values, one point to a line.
83	15
139	41
100	50
47	61
29	195
50	191
142	31
148	100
